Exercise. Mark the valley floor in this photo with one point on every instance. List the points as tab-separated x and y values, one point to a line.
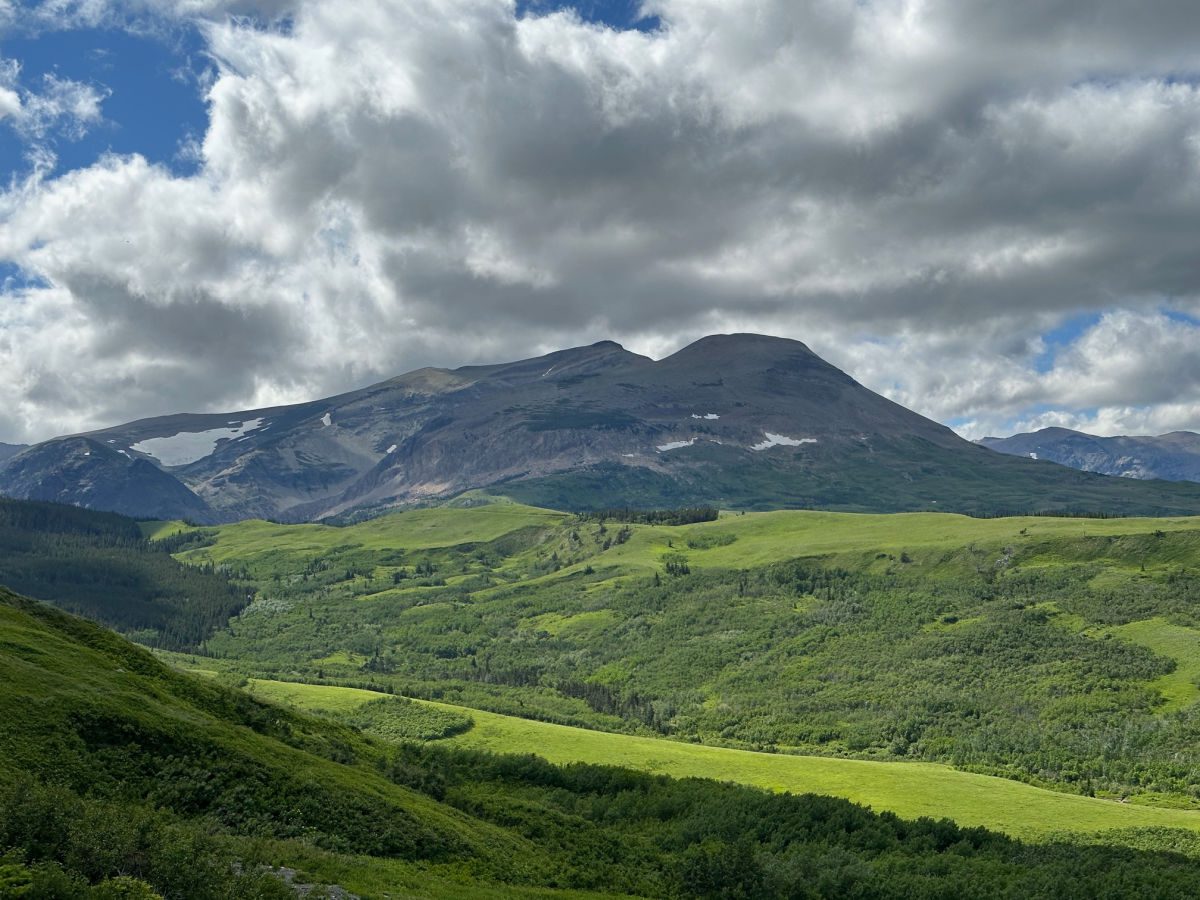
910	790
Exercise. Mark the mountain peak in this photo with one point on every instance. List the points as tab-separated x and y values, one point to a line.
742	342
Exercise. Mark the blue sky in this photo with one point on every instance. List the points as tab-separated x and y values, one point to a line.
154	101
154	85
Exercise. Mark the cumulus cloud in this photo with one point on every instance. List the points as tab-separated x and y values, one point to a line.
919	190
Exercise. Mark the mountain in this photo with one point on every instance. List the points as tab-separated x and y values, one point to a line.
744	421
9	450
1170	457
85	472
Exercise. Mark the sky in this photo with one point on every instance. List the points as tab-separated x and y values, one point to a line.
988	212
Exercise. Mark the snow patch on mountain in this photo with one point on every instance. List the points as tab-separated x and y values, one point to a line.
327	419
709	416
674	445
780	440
187	447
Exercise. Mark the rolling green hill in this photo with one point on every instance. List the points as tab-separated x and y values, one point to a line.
1048	650
95	726
120	777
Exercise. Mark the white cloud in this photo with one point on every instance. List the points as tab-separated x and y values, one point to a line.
919	190
1130	372
65	107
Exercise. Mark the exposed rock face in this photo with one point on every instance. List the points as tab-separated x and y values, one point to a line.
740	420
1171	457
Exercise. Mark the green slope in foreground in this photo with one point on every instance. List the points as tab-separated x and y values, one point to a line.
910	790
112	764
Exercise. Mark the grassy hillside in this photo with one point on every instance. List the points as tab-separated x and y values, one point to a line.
120	777
96	723
910	790
419	529
1032	648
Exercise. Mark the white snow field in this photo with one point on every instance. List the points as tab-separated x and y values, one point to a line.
188	446
781	440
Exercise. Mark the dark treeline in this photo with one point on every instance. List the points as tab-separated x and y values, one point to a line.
685	516
100	566
627	705
186	540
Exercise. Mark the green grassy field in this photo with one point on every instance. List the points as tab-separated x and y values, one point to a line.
419	529
1179	643
910	790
769	537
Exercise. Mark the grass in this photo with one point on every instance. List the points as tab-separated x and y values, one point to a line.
311	697
741	540
420	529
1180	688
584	624
908	789
764	538
154	530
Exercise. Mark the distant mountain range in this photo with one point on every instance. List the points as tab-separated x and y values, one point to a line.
1170	457
742	421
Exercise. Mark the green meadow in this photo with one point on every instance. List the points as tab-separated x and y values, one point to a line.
1181	687
419	529
910	790
764	538
1031	674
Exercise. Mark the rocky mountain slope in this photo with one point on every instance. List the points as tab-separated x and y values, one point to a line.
739	420
9	450
1171	457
